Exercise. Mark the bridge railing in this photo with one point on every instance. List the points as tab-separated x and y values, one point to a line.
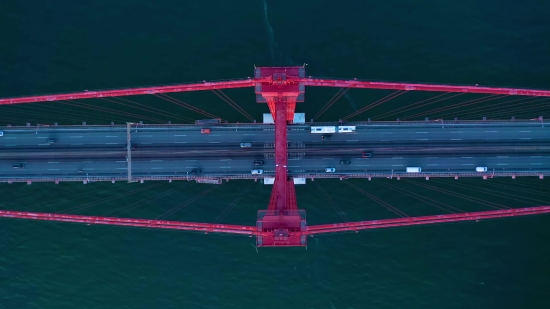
434	123
204	178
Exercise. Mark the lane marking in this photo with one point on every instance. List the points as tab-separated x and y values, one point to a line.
156	160
249	134
41	137
421	139
111	143
353	140
328	158
53	162
42	144
190	160
180	135
397	158
88	169
10	137
536	163
456	132
53	169
146	135
225	159
225	166
121	168
121	161
111	136
76	144
77	136
536	156
502	156
189	167
491	131
214	142
146	143
386	132
421	132
467	164
524	131
432	164
294	166
502	163
11	145
156	168
181	142
398	165
466	157
524	138
362	165
456	139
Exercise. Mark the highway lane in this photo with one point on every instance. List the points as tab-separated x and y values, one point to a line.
218	167
378	149
220	135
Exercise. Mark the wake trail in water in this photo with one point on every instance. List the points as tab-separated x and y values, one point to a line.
274	48
271	35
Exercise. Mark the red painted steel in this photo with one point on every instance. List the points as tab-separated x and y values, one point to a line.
134	91
320	82
295	228
269	84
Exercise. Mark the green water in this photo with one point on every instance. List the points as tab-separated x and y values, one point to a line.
62	46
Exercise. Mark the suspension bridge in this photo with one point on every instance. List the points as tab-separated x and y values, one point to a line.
283	152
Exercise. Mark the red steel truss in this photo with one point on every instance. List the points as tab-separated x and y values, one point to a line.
293	233
282	224
283	218
269	80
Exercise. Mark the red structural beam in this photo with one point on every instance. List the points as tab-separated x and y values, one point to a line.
134	91
320	82
252	230
424	220
161	224
243	83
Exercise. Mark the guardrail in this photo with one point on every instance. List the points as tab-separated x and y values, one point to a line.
434	123
138	178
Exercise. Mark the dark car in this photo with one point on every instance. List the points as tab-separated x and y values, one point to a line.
196	171
18	165
366	155
259	162
326	137
345	162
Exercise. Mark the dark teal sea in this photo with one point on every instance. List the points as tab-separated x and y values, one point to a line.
59	46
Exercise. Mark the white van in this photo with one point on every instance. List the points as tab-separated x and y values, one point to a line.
330	170
246	145
414	169
257	172
481	169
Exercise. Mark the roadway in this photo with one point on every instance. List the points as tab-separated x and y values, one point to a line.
177	151
192	135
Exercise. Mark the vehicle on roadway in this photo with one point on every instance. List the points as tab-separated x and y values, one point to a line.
346	129
257	172
330	170
196	171
1	133
345	162
246	145
414	169
366	154
18	165
326	137
481	169
327	129
52	141
259	162
205	131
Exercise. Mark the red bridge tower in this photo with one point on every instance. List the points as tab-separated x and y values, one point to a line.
282	219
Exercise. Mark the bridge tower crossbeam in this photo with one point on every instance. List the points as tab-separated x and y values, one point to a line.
282	221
